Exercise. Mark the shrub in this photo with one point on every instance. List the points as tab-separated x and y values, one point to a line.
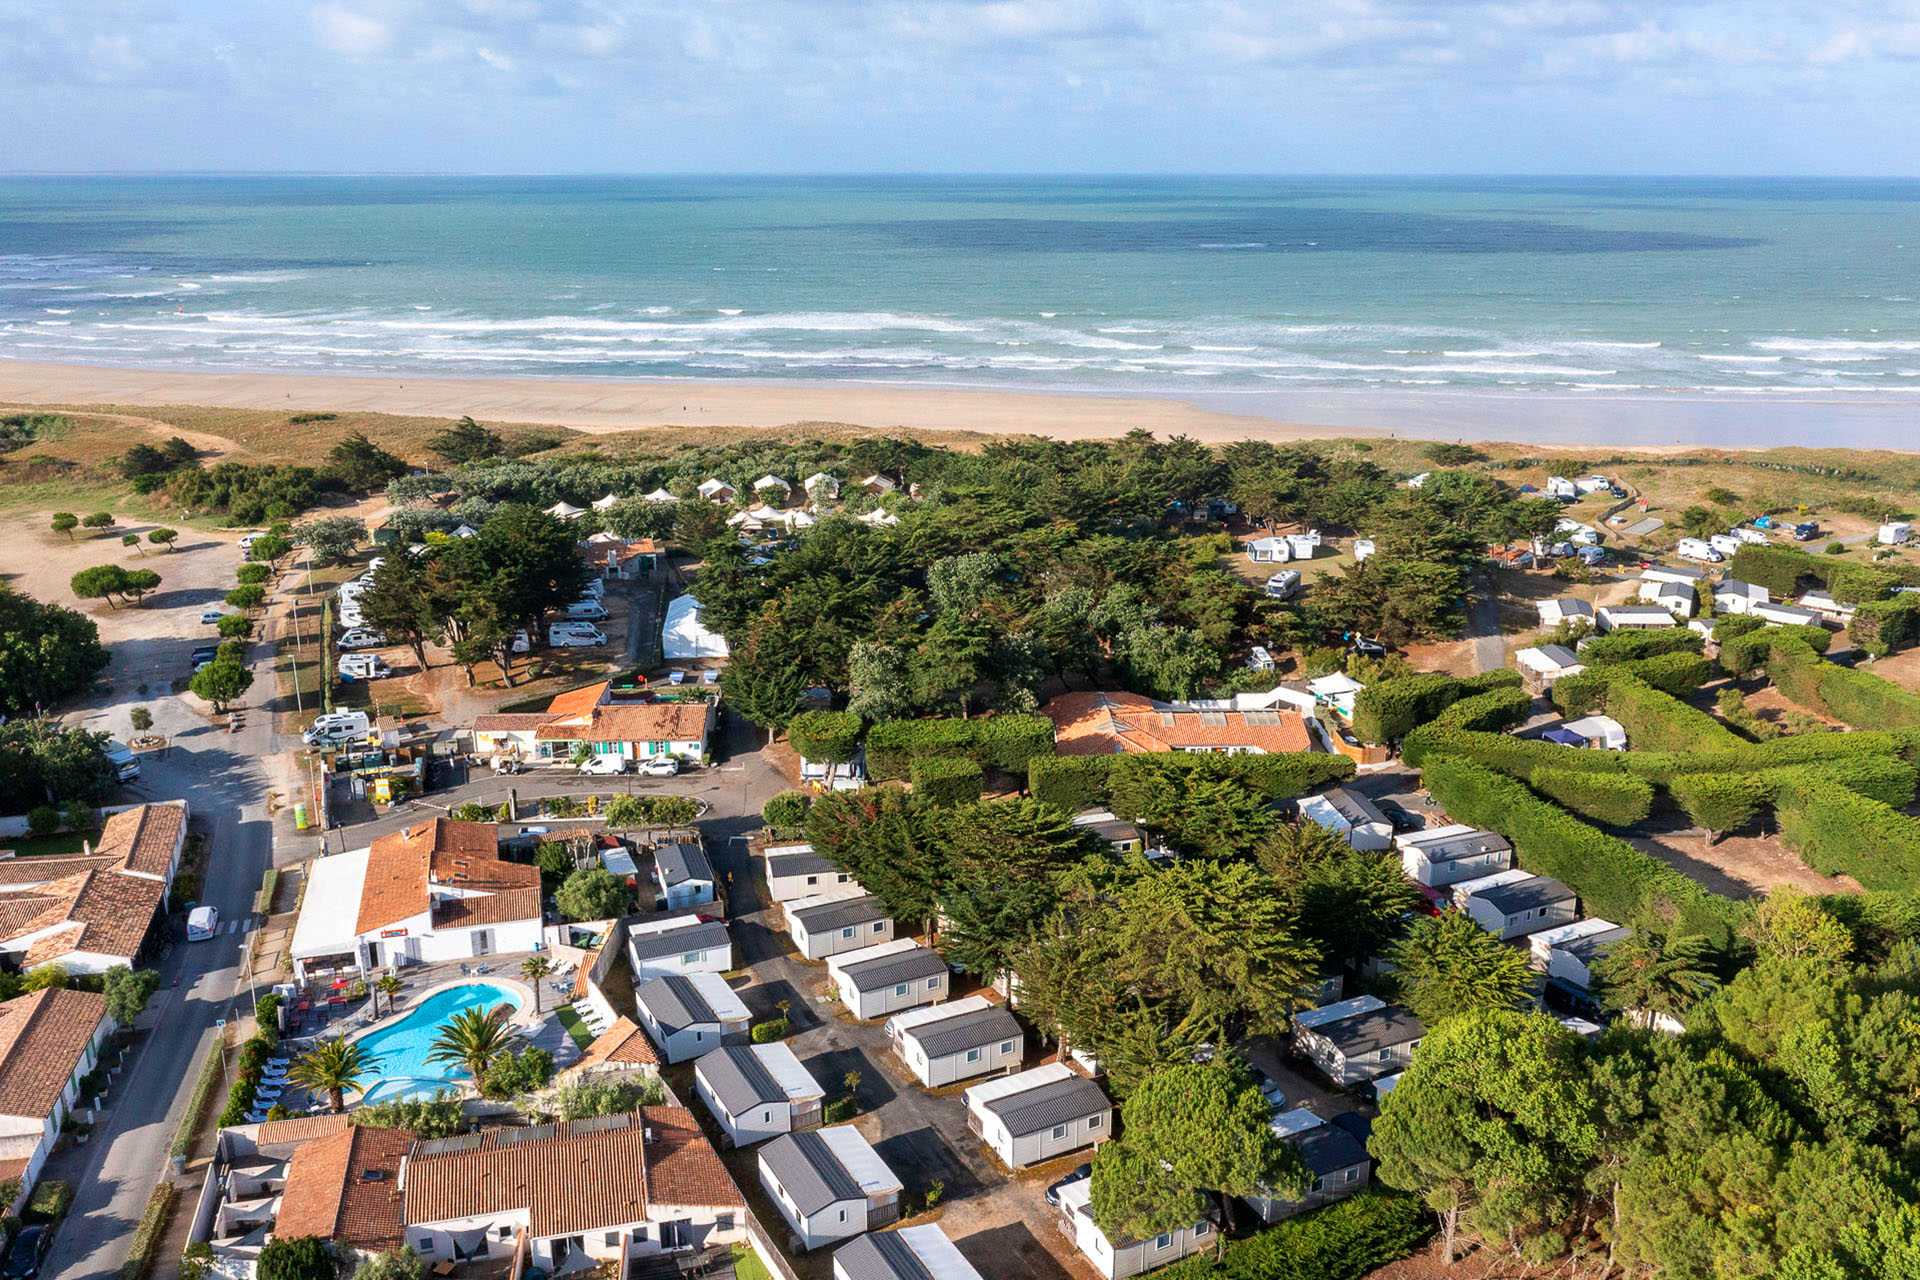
1720	802
50	1201
435	1117
840	1110
769	1031
249	575
946	780
1616	799
825	735
1342	1241
1657	721
210	1072
1002	742
141	719
247	597
1679	673
43	820
786	810
1074	783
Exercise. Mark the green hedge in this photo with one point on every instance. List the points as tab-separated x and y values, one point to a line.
1521	757
1074	783
1887	626
210	1073
946	780
1657	721
1838	831
769	1031
1633	646
1678	674
1343	1241
1721	802
1751	650
1617	799
1613	879
825	735
1388	710
1858	698
1734	625
151	1231
1784	570
1000	742
1489	712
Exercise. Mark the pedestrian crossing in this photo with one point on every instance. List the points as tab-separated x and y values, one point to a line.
245	924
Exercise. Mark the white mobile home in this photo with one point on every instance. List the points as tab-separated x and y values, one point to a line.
1781	614
1337	1164
1350	815
1730	595
1674	597
1359	1039
683	873
1563	609
1125	1257
1513	904
832	923
1440	856
950	1042
1541	668
888	977
1039	1114
1269	551
911	1253
1629	617
1570	952
683	945
829	1184
796	871
691	1015
758	1091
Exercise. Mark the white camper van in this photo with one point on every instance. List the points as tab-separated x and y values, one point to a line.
1694	549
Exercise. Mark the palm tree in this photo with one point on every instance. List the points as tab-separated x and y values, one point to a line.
334	1067
473	1039
388	986
533	969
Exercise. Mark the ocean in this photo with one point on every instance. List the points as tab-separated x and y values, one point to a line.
1265	294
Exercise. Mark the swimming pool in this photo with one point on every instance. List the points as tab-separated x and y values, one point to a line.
402	1070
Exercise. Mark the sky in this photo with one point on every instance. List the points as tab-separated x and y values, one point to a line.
1023	86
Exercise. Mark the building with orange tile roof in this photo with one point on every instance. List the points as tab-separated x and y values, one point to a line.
622	1050
437	890
49	1041
634	729
346	1187
631	1185
94	910
1103	723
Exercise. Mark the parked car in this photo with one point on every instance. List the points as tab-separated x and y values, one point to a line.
361	638
603	766
1275	1096
1400	818
1080	1174
209	617
659	767
203	923
29	1247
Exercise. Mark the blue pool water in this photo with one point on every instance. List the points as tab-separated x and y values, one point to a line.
402	1070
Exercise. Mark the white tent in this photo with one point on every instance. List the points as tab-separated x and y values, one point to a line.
659	495
602	504
716	490
877	516
566	511
685	636
771	482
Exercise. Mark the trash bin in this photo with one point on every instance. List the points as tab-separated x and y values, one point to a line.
300	817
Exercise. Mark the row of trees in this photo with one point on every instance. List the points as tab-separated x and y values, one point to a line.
47	653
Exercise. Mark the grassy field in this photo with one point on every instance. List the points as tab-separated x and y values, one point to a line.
66	842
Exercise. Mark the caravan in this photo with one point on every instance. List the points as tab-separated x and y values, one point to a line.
1694	549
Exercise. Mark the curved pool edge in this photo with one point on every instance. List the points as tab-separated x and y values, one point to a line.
524	1020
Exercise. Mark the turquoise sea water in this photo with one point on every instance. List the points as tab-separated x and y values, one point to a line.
1755	292
402	1047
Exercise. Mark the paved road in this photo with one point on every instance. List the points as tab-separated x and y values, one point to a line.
1483	626
219	775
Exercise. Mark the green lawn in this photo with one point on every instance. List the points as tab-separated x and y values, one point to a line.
747	1264
575	1028
41	846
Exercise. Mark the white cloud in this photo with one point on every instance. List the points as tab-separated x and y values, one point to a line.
348	31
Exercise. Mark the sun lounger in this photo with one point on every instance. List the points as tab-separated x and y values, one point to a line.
268	1092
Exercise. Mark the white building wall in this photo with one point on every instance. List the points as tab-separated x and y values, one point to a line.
890	998
840	1220
1033	1148
834	941
762	1122
955	1066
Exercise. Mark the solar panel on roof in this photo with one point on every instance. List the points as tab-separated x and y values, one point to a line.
603	1124
513	1137
442	1146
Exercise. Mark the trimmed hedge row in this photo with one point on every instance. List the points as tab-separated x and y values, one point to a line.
1489	712
1000	742
1634	646
1751	649
946	780
1388	710
1522	757
1678	674
1721	802
148	1235
1657	721
1839	831
1782	569
1858	698
825	736
1614	880
1616	799
1343	1241
1882	627
1074	783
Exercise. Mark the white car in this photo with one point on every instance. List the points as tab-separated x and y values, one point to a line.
211	616
659	767
360	638
601	766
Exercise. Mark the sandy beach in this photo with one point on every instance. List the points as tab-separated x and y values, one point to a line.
625	404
